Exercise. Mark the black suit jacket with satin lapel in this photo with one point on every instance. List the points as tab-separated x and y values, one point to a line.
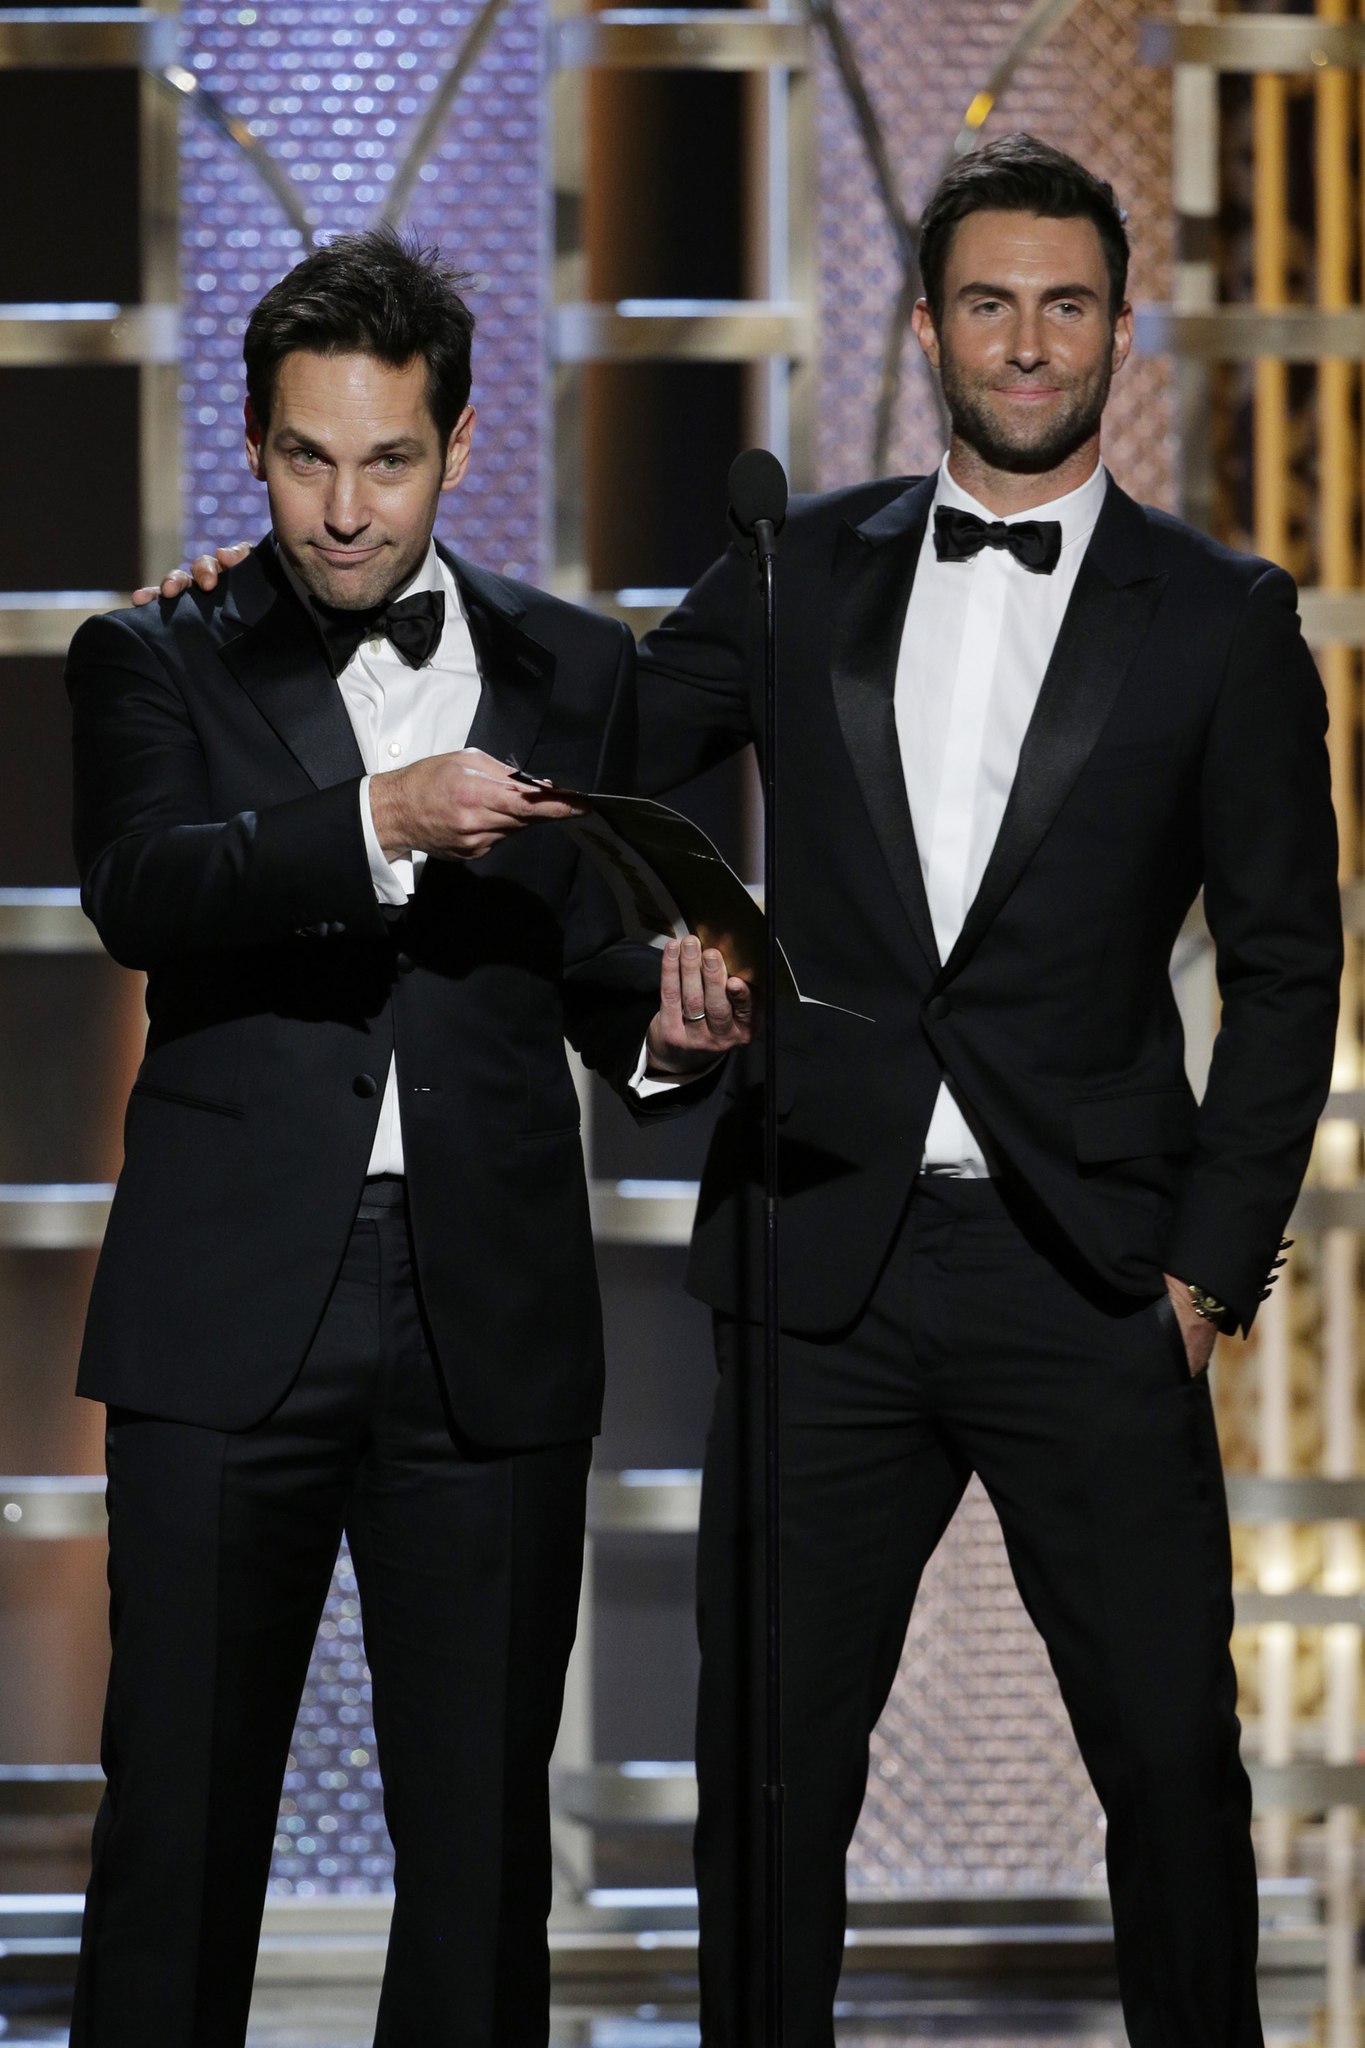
218	837
1177	742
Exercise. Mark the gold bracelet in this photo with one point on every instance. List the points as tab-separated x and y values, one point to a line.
1207	1305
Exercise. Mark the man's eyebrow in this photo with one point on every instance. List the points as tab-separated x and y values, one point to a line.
299	439
978	288
398	444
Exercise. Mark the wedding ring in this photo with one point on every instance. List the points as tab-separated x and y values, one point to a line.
700	1018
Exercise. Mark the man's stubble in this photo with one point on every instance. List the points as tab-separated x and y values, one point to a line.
1023	454
365	590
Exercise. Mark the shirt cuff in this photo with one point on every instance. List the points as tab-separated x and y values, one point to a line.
388	884
644	1085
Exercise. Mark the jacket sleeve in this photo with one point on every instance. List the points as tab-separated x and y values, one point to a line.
701	677
162	879
611	984
1273	906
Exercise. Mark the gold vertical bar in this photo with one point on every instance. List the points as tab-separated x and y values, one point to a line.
1339	1147
1270	224
1336	439
1270	195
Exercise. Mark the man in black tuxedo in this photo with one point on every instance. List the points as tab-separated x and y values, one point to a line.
348	1278
1022	721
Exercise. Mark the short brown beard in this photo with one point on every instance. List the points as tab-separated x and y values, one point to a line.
1078	421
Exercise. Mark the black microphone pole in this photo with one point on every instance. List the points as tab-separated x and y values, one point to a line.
758	508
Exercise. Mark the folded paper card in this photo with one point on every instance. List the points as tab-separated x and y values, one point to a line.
669	879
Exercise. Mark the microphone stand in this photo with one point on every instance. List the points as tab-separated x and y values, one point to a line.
774	1791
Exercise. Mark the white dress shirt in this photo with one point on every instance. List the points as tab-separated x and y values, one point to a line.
976	644
401	714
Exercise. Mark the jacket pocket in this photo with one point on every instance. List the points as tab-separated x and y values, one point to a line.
1163	1308
187	1100
1133	1126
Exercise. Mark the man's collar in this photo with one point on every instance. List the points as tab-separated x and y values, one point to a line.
1077	511
494	593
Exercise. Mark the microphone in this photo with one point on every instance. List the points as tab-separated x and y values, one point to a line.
758	502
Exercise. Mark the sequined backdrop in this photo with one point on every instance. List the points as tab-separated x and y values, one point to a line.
334	91
1087	93
975	1782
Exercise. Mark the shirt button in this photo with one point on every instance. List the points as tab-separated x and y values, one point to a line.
365	1086
405	963
394	749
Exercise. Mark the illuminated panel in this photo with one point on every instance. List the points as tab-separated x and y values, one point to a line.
334	92
925	62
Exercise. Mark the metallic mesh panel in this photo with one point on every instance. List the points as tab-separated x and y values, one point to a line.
1084	92
334	91
331	1835
976	1783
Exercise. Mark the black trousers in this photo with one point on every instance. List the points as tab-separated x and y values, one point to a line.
221	1553
1099	1452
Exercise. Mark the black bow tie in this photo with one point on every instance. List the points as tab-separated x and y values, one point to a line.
1036	544
412	625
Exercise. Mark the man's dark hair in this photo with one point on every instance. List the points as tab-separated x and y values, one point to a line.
371	294
1019	174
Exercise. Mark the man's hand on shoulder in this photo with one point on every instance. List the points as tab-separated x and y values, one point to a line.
203	570
1199	1333
704	1011
456	806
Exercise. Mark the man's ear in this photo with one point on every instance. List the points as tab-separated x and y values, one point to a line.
255	442
1123	337
925	332
458	449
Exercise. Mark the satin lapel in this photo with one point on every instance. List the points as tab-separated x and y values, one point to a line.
278	660
517	672
1116	593
874	569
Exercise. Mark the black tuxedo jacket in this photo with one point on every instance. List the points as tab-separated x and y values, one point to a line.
1178	741
218	837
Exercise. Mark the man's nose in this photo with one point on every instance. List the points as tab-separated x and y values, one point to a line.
1030	345
345	513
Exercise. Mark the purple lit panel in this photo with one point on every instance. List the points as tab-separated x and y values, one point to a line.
334	92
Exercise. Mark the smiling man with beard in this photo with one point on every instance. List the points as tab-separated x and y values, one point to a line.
1022	720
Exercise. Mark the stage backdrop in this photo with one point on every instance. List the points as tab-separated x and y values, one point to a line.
975	1781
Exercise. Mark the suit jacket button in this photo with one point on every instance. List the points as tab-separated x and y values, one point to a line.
938	1009
405	963
365	1085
